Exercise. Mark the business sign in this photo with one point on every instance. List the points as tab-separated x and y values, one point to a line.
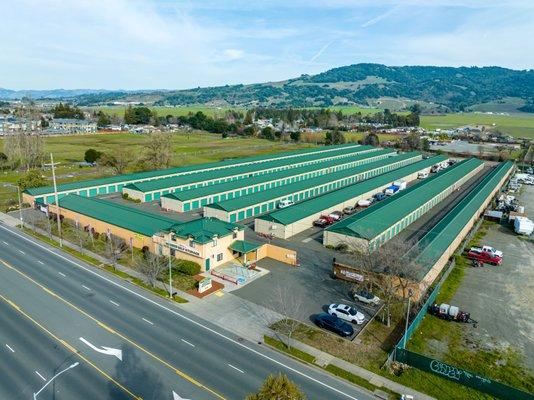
184	249
204	284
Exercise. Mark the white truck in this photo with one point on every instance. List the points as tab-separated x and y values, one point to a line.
523	226
401	184
487	249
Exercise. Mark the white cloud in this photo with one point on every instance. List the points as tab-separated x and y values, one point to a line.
233	54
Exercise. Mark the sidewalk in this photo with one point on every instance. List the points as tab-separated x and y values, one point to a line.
323	359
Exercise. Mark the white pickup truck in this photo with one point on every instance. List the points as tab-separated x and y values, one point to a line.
487	249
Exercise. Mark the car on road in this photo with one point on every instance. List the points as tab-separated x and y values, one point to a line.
323	221
422	175
346	313
285	203
366	297
379	196
334	324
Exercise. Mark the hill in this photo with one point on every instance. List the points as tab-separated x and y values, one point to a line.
436	88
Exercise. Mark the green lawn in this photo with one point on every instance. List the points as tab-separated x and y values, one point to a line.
519	124
188	148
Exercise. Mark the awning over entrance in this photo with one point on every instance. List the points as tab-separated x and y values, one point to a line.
242	246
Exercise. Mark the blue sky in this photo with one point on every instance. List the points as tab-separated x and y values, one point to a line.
177	44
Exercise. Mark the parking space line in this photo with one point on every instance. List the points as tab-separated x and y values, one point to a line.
307	240
237	369
115	304
62	274
6	243
85	287
21	252
40	262
147	321
186	342
40	376
9	347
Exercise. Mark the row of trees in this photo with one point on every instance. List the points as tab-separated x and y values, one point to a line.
67	111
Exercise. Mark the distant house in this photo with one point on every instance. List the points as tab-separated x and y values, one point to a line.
66	126
10	124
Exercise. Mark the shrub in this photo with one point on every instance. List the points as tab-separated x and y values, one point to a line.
188	267
342	247
125	196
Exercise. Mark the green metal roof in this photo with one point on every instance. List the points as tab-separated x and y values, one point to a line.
203	191
315	205
432	246
286	190
140	176
374	220
116	214
243	246
203	230
165	183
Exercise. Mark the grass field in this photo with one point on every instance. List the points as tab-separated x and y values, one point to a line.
188	148
518	125
174	111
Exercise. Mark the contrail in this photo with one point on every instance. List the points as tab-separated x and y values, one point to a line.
321	51
380	17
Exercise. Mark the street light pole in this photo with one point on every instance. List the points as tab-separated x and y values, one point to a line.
20	206
54	377
410	293
56	199
170	274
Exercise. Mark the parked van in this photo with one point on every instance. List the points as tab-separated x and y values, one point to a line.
285	203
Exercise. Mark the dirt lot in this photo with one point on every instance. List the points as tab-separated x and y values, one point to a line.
501	298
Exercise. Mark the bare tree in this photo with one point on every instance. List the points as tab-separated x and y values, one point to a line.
115	248
158	150
151	266
82	236
118	160
392	269
290	306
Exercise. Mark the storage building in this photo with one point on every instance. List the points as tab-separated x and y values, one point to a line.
372	227
187	200
295	219
261	202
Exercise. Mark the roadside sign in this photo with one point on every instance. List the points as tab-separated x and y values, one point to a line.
204	284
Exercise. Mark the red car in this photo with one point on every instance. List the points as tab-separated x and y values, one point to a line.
324	221
483	256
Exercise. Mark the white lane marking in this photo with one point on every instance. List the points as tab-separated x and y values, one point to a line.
237	369
9	347
192	321
115	304
110	351
40	376
62	274
40	262
21	252
147	321
307	240
186	342
6	243
85	287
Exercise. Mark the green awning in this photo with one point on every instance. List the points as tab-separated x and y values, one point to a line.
243	246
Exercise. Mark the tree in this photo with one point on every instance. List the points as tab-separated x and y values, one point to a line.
67	111
3	157
334	137
24	148
291	307
158	150
248	118
33	178
278	387
391	269
103	119
267	133
118	161
137	115
151	266
371	139
91	156
115	248
295	136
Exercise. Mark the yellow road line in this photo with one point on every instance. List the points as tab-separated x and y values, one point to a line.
68	346
111	330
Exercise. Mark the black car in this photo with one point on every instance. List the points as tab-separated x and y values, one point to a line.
333	324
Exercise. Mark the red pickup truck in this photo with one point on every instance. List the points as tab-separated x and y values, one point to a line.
484	256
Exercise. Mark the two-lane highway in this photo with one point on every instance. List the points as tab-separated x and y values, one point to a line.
175	340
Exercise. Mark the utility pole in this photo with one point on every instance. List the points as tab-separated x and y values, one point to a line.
56	199
20	206
170	274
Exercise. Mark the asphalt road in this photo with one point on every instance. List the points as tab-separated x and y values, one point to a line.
164	348
29	357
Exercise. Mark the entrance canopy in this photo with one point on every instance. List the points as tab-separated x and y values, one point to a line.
242	246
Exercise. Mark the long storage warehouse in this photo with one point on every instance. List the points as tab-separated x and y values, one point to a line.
258	203
299	217
435	248
94	187
187	200
154	189
374	226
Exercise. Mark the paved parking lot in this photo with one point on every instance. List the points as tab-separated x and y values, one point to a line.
309	290
501	298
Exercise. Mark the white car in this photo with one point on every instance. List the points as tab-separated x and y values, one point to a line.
366	297
285	203
346	313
